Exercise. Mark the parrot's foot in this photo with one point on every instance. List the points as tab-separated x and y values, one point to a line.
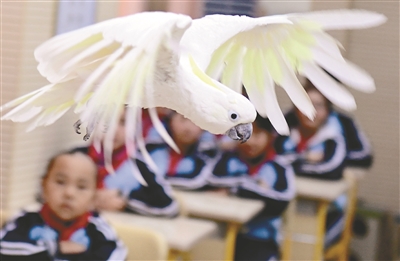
77	126
89	131
86	137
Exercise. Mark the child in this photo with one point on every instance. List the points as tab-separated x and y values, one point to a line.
64	229
358	148
254	171
321	153
122	191
190	168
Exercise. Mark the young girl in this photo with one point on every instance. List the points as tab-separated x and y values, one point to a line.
122	191
190	168
65	228
252	170
320	151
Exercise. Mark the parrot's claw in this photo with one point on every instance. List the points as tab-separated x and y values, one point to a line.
77	126
86	137
88	133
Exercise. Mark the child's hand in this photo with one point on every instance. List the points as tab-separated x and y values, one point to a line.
70	247
221	191
315	157
109	199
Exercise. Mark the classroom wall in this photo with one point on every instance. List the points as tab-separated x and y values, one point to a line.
377	51
25	25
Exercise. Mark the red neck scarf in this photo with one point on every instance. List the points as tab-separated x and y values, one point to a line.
119	156
174	159
302	145
146	123
253	169
65	229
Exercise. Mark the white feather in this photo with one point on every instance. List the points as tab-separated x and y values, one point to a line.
347	72
161	129
331	89
343	19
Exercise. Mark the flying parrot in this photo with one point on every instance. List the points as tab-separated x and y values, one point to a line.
195	67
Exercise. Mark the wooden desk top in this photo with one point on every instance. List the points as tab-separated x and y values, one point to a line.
325	190
219	207
181	233
355	173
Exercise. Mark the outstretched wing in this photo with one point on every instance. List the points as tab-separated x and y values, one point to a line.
100	69
261	52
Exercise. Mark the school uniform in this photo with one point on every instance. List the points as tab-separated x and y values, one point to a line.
189	171
321	156
154	199
358	148
359	152
268	178
36	236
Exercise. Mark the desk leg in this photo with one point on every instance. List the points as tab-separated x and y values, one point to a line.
186	256
231	234
173	255
322	212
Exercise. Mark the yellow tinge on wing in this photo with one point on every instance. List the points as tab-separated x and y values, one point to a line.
199	73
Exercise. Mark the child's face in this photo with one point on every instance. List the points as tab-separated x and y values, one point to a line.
70	185
322	112
183	130
256	145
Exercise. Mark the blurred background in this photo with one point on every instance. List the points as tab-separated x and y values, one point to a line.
26	24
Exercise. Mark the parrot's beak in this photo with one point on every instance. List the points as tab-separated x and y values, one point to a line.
241	132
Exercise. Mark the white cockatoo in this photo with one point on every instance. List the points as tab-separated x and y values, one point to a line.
195	67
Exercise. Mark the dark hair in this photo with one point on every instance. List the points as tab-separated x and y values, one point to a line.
53	159
264	123
309	86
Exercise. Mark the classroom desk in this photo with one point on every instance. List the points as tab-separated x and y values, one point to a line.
232	210
181	233
305	232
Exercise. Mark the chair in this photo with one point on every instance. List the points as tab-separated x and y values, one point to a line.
142	243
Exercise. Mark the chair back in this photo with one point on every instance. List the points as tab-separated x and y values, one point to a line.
142	243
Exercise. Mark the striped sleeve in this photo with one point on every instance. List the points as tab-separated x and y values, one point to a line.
155	199
332	164
105	244
15	242
228	171
274	181
359	152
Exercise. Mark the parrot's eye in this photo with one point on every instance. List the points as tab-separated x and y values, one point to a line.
233	116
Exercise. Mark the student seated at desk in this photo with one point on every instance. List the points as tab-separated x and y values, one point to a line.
122	191
358	148
190	168
254	171
320	151
65	228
